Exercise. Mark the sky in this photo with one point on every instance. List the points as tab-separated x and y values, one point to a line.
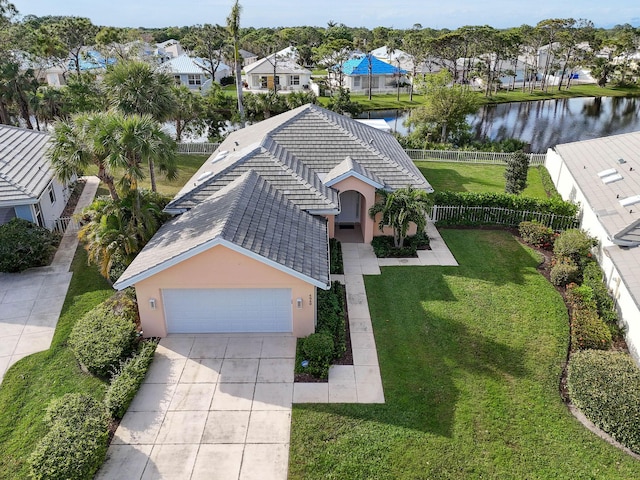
354	13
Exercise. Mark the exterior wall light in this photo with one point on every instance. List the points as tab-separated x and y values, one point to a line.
152	303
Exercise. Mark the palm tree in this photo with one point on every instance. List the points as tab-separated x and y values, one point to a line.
399	209
116	230
233	26
135	88
77	145
131	140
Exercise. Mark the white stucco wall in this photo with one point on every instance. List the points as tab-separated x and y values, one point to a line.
52	211
628	310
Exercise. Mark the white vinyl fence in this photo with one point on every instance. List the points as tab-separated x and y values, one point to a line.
470	156
464	215
197	148
62	224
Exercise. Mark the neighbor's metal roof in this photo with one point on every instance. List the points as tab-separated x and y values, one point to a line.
24	168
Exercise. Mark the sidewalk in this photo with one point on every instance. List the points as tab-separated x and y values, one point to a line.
31	301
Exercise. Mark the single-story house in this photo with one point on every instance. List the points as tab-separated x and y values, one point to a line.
249	244
356	73
28	188
190	71
278	70
603	176
405	61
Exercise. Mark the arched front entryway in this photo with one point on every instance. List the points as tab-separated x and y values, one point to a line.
349	223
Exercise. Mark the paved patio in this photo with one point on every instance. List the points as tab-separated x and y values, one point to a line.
31	301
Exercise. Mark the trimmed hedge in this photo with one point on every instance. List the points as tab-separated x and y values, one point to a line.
24	244
505	200
331	317
105	336
547	183
593	277
127	380
564	272
605	386
384	247
76	444
335	257
575	244
588	331
318	348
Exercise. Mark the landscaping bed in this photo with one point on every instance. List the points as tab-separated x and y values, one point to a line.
384	247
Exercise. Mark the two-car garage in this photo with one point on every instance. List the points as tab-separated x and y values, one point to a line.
228	310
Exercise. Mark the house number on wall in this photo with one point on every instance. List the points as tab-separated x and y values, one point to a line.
310	299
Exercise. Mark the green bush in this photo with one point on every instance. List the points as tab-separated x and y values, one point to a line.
605	386
564	272
76	444
318	349
335	258
331	317
127	380
588	331
25	245
383	247
593	277
103	338
536	234
575	244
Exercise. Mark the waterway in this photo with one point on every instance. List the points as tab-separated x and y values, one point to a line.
544	123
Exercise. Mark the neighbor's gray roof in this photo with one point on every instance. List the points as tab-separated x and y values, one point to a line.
585	160
24	168
249	213
306	143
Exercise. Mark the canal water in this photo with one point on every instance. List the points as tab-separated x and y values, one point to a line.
544	123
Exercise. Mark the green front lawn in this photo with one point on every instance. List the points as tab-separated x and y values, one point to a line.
470	358
30	384
472	177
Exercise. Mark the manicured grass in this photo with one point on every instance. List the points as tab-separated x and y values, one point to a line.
187	166
470	358
30	384
468	177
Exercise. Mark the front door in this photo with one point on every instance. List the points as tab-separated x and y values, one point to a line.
349	207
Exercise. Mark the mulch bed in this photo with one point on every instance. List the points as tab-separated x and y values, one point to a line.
73	199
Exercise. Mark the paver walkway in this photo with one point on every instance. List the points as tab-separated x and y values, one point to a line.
31	301
211	407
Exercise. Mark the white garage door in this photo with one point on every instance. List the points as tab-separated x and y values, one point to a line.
221	310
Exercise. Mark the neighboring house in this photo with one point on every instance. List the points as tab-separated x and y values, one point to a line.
250	243
603	176
91	61
405	61
28	188
247	57
358	71
168	49
278	70
190	71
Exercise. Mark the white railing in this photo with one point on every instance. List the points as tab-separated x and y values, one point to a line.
464	215
197	148
470	156
62	224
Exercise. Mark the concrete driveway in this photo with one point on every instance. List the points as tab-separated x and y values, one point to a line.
211	407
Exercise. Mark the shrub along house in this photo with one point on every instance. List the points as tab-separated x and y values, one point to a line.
250	242
603	176
28	188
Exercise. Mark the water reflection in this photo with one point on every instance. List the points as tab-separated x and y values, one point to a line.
545	123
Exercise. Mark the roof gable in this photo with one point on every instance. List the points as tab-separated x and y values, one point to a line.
284	65
25	170
249	216
350	168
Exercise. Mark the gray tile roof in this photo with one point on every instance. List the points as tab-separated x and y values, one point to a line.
347	166
24	169
250	213
305	142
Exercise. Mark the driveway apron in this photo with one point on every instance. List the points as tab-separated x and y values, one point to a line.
211	407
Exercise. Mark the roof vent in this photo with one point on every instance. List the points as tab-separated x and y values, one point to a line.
625	202
204	175
610	175
621	161
220	156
